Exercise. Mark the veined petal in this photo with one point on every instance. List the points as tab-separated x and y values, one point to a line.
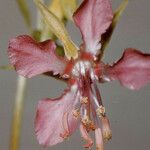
54	119
93	18
31	58
58	28
132	70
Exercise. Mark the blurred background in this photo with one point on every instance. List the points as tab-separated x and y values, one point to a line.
128	111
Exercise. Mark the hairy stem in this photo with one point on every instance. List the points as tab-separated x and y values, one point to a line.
17	116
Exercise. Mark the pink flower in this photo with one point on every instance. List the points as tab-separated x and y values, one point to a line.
81	104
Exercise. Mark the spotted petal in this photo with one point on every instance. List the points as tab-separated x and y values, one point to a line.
54	119
132	70
93	18
31	58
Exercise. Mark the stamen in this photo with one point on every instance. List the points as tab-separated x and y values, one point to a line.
85	118
86	136
64	135
99	139
89	125
84	100
100	111
107	134
65	125
76	113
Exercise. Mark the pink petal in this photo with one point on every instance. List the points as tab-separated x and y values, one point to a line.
132	70
54	119
93	18
31	58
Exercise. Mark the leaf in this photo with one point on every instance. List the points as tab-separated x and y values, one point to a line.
25	11
58	28
107	36
68	7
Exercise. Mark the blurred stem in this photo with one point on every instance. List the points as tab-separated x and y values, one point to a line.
17	116
22	4
21	88
6	67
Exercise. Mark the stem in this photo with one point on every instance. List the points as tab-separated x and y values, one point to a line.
6	67
17	116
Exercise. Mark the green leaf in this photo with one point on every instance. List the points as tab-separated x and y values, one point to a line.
57	27
107	36
25	11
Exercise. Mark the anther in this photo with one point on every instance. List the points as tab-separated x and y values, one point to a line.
89	125
76	113
85	120
84	100
100	111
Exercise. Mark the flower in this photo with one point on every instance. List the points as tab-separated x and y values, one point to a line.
81	104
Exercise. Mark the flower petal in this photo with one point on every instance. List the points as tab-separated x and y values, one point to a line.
54	120
31	58
132	70
93	18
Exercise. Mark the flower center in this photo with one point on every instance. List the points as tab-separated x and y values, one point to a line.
80	68
89	109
